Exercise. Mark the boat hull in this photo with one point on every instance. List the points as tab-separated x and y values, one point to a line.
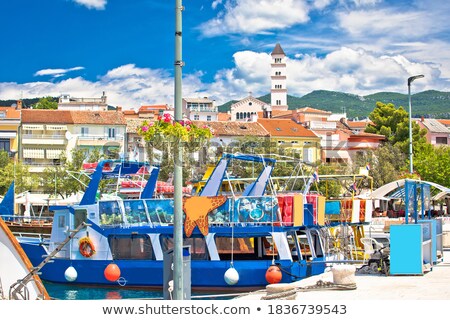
207	275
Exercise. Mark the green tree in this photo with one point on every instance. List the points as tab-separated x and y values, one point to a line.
64	179
388	163
17	172
433	164
393	123
46	103
4	159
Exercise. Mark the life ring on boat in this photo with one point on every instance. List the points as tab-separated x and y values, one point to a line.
86	247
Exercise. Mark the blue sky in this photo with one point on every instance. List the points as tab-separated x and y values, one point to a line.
126	47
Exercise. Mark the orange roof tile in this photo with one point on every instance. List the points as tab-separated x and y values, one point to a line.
285	128
73	117
46	116
445	122
98	117
152	108
223	116
312	110
10	112
359	124
234	128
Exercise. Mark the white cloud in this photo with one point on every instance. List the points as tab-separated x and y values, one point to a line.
56	72
256	16
387	22
349	70
93	4
321	4
215	3
361	3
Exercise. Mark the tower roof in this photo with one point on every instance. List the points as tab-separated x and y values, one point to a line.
278	50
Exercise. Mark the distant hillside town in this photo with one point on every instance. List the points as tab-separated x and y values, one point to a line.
39	137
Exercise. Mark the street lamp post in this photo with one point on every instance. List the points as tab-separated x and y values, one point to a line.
410	80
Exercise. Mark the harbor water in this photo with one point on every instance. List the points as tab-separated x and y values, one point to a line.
72	292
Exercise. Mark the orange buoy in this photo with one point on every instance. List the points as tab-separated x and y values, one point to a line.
273	274
112	272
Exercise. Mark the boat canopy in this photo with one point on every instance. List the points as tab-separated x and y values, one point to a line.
396	190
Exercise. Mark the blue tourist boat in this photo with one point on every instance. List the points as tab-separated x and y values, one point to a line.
249	232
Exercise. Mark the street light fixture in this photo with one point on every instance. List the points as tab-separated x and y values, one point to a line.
410	80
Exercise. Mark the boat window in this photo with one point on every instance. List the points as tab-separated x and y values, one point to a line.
160	210
131	247
135	211
109	213
61	221
80	217
304	244
260	248
198	247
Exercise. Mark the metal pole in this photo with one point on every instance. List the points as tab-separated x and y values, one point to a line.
178	161
410	80
410	130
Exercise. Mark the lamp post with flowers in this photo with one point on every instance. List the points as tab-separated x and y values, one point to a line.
171	135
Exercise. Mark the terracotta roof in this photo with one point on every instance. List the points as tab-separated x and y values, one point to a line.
285	128
98	117
284	114
434	126
223	116
312	110
47	116
72	117
445	122
277	50
234	128
153	108
359	124
10	113
132	125
369	135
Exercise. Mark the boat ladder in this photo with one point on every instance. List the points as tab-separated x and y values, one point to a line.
19	290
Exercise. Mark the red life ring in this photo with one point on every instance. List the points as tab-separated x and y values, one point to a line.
86	247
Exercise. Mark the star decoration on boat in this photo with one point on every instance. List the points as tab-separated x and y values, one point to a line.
197	209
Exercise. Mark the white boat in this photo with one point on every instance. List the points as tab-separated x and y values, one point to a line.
18	280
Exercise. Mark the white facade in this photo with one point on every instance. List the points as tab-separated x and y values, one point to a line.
278	91
201	109
247	108
82	104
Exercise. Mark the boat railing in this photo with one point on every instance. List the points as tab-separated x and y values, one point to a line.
27	219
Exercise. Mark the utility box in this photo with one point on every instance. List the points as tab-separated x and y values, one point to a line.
168	284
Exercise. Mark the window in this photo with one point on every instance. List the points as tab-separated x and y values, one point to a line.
196	117
131	247
2	114
84	131
245	248
5	145
135	211
198	247
80	217
441	140
277	60
278	103
110	213
111	132
208	118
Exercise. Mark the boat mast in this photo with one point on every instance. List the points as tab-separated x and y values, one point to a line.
178	161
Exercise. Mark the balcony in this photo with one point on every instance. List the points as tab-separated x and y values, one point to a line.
99	140
203	109
44	139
